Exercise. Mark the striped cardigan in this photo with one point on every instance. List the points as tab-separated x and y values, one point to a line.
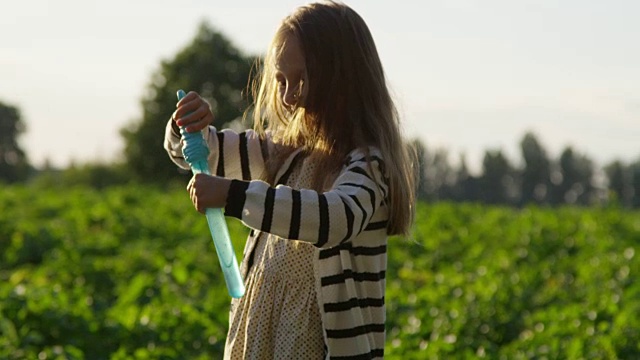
347	224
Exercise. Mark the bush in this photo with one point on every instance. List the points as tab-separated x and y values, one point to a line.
130	272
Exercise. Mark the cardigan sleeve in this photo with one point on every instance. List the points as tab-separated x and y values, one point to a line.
231	155
325	219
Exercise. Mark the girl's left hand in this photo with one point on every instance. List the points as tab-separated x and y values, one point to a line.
208	191
193	112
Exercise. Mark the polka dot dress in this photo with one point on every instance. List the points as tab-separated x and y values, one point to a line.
278	317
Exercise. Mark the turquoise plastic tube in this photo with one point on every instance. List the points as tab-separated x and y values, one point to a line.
195	152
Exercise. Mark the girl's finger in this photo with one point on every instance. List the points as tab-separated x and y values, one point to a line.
188	98
200	124
189	104
191	188
185	110
195	116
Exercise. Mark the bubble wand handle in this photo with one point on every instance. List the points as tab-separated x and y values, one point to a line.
195	152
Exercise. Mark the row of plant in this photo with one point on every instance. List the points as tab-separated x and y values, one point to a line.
130	272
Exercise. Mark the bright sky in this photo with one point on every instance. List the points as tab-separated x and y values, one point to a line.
468	75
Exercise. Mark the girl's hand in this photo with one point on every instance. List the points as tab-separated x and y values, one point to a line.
208	191
193	112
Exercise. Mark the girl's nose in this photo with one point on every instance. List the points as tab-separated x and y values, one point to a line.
290	97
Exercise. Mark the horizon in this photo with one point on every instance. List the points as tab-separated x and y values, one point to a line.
468	76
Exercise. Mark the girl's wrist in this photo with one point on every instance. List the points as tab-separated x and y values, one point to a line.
222	187
236	197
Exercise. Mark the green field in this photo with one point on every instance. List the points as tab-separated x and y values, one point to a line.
131	272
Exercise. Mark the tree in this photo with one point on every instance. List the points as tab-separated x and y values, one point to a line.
439	175
497	183
536	172
13	160
420	153
210	65
466	187
635	184
620	182
575	186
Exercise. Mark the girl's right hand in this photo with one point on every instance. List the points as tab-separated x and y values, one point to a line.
193	112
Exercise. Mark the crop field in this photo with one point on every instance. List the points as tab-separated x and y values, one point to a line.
131	272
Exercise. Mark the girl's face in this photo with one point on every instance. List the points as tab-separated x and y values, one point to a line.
290	73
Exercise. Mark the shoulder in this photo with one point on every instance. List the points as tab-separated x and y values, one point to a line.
366	155
367	163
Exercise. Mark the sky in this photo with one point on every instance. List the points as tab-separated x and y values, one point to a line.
467	75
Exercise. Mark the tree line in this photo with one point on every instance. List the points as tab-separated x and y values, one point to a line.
572	178
211	65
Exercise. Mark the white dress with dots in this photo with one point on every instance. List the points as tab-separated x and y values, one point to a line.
278	317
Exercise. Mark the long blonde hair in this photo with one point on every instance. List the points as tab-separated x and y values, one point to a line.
346	106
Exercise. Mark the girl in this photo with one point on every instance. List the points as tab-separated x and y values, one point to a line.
321	181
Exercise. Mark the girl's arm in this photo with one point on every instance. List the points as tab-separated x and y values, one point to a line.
231	155
324	219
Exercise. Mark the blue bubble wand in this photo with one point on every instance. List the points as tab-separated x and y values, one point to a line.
195	152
